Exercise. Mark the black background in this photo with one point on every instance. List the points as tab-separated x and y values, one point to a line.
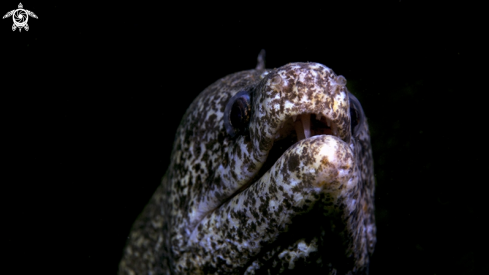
92	95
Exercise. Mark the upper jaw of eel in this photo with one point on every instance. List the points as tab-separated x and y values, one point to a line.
305	98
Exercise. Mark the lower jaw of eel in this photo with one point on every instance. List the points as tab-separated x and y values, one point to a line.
304	126
317	163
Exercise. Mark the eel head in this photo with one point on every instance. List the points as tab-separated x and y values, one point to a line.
271	171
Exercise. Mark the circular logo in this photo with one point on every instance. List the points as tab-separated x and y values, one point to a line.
20	17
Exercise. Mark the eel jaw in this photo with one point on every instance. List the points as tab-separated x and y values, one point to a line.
293	130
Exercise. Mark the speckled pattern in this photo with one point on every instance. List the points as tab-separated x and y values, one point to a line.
267	200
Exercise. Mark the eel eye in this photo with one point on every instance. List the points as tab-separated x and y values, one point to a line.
240	112
237	113
357	116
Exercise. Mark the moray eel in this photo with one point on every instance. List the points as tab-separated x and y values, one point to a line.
271	172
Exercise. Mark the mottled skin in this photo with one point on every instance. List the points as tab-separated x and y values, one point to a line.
237	204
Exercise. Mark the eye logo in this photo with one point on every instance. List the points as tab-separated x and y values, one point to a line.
20	17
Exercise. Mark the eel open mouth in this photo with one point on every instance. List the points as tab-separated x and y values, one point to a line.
312	125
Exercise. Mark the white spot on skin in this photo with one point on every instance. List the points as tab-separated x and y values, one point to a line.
288	104
313	72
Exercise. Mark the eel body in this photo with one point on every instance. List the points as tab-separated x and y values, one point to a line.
271	173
